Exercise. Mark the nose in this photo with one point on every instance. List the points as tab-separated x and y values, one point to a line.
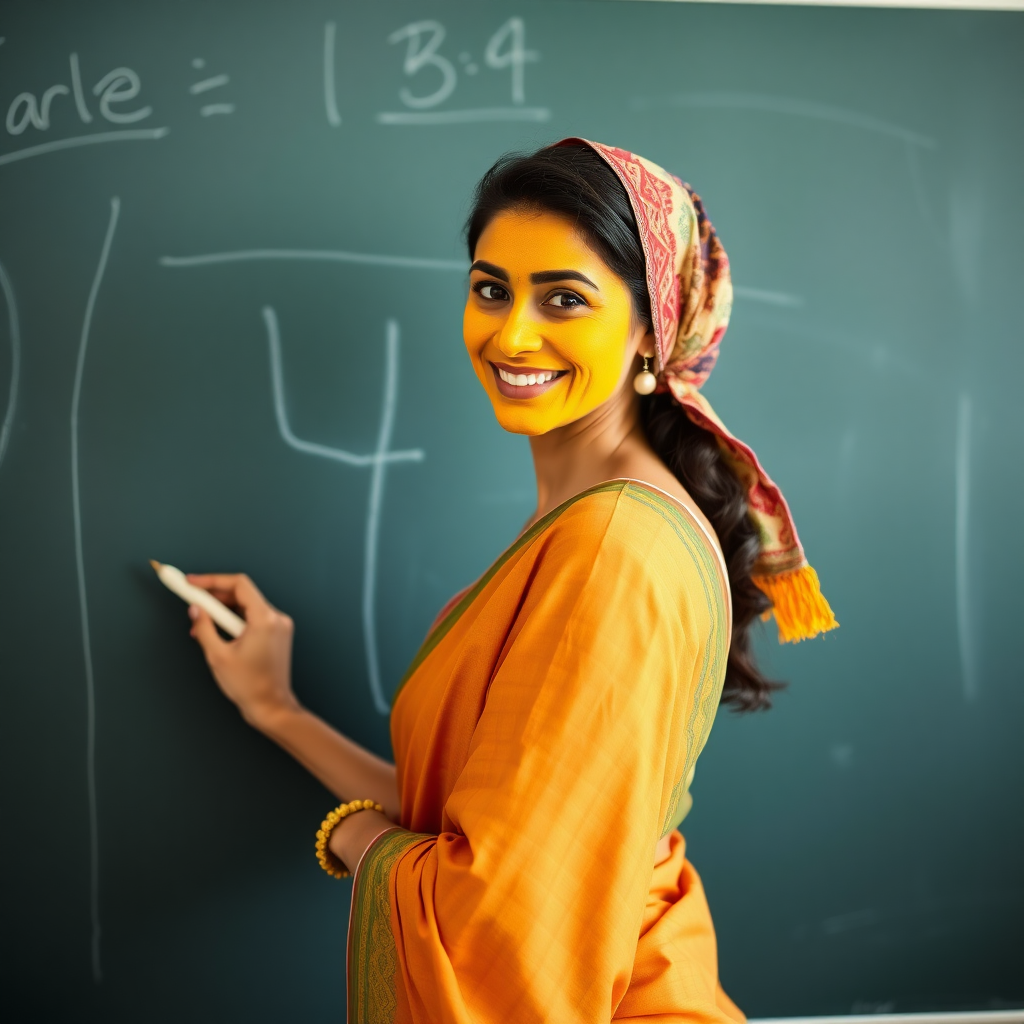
519	332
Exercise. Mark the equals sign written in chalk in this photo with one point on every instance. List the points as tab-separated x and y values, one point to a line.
175	580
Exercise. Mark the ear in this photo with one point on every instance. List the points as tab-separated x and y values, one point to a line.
647	346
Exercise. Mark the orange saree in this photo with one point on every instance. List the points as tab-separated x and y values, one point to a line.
544	737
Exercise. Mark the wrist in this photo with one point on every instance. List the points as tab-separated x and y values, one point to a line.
274	718
354	835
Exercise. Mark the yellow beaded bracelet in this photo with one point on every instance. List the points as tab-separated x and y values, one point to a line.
327	860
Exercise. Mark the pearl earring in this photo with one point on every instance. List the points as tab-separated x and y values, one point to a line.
645	382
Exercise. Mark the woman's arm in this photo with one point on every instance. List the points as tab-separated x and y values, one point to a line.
254	672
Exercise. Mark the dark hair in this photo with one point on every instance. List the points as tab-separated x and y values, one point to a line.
574	182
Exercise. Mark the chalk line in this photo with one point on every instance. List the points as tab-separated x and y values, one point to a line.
15	333
208	83
464	116
763	295
330	95
316	255
379	461
783	105
769	298
965	633
216	108
373	506
77	91
284	426
90	687
123	135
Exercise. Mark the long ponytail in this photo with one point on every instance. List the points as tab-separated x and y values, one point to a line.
696	460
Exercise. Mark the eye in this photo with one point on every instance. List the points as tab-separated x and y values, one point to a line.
566	300
490	291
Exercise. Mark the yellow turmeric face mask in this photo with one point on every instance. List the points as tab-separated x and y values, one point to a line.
548	325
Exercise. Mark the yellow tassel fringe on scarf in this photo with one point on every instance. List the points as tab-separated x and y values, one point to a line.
800	609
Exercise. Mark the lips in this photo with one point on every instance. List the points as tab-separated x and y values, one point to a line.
525	381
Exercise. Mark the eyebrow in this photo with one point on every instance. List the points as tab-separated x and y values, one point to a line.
550	276
541	277
490	268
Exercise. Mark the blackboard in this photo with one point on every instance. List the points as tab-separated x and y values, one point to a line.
232	281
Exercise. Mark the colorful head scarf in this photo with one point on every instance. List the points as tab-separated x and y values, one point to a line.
691	298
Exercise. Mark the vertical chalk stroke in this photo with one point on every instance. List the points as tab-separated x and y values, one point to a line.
373	506
330	94
378	462
90	683
965	632
14	333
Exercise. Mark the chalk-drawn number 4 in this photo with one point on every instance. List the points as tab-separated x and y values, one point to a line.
512	33
505	49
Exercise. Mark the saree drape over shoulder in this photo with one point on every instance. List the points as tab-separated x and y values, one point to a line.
544	739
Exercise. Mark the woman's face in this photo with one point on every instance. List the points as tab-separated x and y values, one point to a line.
549	327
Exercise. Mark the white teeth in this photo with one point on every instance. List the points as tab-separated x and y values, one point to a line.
522	380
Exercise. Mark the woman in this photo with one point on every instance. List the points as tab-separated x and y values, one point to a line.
546	733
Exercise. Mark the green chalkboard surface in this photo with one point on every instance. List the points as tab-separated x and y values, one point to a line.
231	285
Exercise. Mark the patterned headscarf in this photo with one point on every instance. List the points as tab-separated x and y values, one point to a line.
691	298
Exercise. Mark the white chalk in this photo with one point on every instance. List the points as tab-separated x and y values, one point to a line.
174	580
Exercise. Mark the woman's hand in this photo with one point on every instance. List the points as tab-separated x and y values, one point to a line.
254	671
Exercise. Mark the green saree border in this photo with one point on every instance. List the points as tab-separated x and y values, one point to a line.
372	956
712	674
444	626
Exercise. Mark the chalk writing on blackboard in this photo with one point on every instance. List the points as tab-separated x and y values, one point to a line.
330	90
382	456
378	460
124	135
204	85
432	77
767	296
112	92
965	629
83	603
763	295
317	255
14	341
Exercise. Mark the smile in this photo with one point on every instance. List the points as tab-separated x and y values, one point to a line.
524	381
521	380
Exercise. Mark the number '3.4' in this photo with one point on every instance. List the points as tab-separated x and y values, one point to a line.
423	39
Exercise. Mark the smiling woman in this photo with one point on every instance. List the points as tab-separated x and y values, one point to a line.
543	303
521	860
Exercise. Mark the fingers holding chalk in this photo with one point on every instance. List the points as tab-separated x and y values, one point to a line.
253	672
176	581
205	634
233	589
